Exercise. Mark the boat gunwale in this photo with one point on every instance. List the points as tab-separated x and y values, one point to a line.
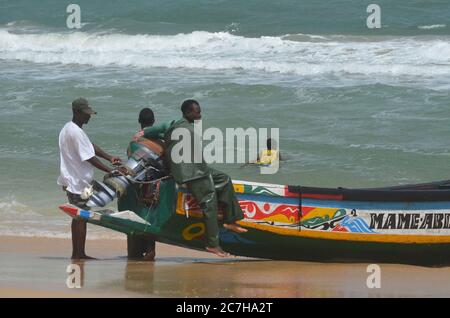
437	191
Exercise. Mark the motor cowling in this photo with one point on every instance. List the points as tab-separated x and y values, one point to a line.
145	163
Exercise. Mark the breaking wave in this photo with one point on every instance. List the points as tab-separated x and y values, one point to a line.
431	27
291	54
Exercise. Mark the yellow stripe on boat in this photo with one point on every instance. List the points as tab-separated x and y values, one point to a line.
344	236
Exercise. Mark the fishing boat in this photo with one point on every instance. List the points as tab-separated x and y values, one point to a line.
401	224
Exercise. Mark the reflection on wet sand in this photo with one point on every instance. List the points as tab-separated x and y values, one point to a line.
33	267
260	278
243	278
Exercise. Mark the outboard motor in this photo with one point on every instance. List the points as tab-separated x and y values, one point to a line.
144	164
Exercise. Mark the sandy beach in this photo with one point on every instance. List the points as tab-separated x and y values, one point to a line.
36	267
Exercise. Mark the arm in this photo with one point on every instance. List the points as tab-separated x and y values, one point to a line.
87	151
99	165
157	131
102	154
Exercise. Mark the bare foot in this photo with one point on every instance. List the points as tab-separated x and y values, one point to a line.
218	251
235	228
75	257
149	256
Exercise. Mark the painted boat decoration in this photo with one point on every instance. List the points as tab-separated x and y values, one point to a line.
403	224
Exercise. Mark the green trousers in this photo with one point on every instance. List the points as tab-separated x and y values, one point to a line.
208	191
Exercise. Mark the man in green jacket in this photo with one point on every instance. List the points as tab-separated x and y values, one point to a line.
207	185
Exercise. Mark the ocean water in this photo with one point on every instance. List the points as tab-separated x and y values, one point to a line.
356	107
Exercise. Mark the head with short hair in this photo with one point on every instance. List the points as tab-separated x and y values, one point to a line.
82	111
191	110
146	117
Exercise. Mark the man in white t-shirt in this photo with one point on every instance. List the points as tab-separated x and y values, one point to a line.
78	159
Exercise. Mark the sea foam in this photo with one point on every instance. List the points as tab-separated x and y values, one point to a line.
295	54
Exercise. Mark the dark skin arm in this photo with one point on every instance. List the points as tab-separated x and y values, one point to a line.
102	154
99	165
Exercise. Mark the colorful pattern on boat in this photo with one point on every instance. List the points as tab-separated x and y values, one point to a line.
280	215
259	188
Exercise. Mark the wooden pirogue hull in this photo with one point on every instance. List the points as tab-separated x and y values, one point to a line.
406	224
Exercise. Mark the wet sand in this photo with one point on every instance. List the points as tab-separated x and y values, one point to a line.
36	267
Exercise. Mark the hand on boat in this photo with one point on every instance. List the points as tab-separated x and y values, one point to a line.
122	170
138	135
116	161
235	228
